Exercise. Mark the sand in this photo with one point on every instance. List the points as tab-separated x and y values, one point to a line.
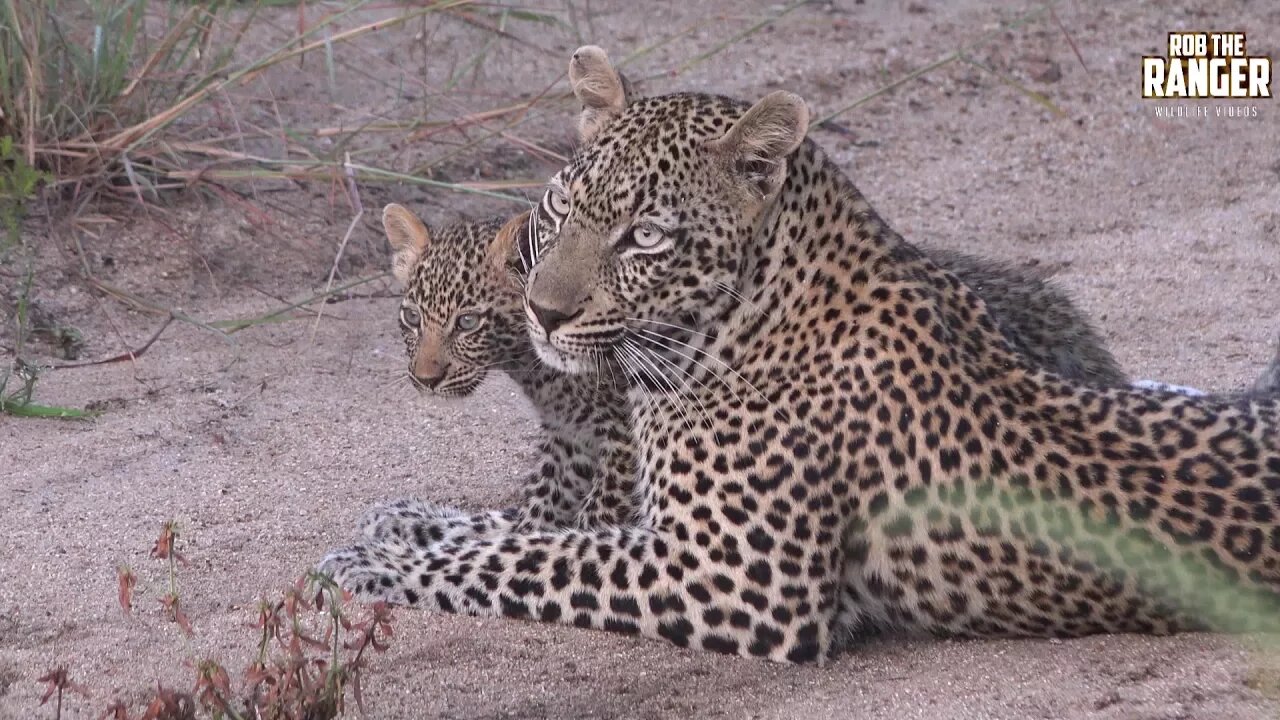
266	450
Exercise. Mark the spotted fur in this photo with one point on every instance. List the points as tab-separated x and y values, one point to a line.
584	477
584	474
832	430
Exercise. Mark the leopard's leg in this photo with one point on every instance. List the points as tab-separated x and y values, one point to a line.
552	495
747	599
556	491
612	499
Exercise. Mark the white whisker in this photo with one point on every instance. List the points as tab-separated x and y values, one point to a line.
681	328
645	367
733	293
674	397
595	356
681	374
664	342
400	377
630	368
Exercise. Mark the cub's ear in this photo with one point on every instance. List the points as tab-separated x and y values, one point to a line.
628	88
598	87
502	250
756	147
408	238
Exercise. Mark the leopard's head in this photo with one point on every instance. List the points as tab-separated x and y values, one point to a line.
649	226
461	314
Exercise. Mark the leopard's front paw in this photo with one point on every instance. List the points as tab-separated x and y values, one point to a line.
373	572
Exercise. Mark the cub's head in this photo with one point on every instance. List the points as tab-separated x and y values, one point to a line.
648	227
461	314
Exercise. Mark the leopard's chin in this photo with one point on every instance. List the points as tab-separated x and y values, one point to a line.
558	359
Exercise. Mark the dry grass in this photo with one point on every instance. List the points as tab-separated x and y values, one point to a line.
84	87
110	107
112	97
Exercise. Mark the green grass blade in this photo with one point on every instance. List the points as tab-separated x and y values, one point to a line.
33	410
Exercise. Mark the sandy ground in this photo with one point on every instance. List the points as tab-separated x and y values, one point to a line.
268	449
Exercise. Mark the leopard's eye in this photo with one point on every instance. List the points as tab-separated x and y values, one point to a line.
410	318
558	202
467	322
646	236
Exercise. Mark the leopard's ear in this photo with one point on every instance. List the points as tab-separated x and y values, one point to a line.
408	236
598	87
502	249
756	147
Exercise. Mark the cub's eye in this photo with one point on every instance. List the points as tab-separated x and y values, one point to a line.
467	322
646	236
558	201
410	318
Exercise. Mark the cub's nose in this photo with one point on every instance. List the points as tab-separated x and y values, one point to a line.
551	318
431	378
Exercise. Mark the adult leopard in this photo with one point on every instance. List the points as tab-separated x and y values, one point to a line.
863	442
462	318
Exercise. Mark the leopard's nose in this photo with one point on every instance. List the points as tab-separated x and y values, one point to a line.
551	318
430	381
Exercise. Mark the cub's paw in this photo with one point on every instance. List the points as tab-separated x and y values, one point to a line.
421	525
403	519
1158	386
374	572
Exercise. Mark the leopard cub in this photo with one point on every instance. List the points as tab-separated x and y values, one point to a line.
462	317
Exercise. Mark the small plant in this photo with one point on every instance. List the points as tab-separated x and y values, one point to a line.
18	184
18	381
166	549
127	581
295	683
17	386
59	681
311	653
